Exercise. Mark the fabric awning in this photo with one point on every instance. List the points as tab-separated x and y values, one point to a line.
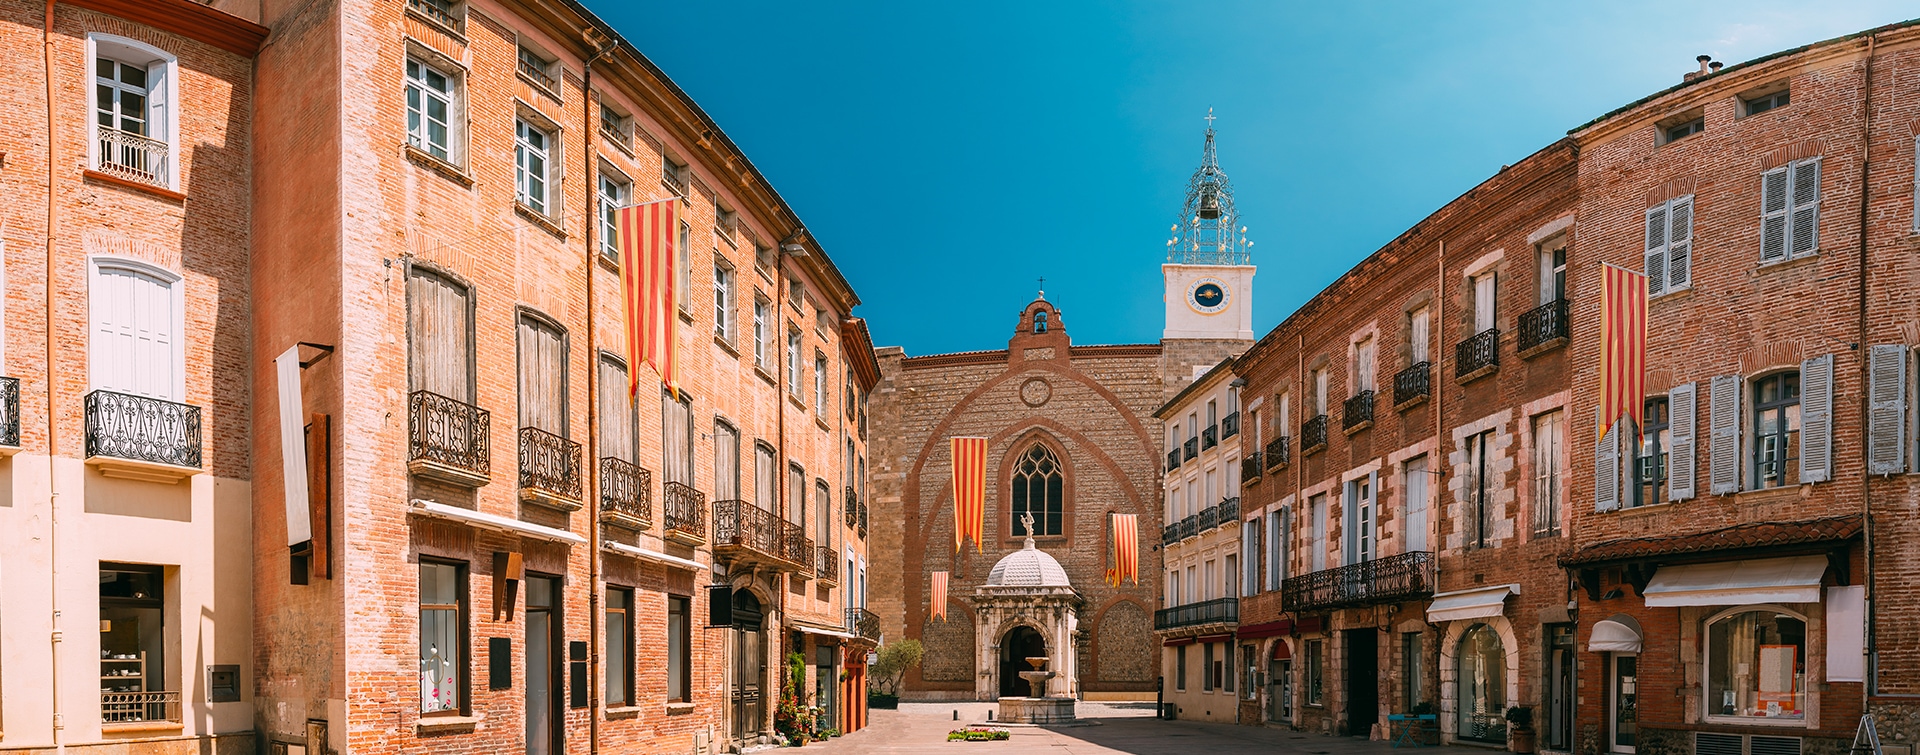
1212	638
1176	642
1281	650
495	522
655	556
1620	634
1477	603
1269	629
1731	583
821	631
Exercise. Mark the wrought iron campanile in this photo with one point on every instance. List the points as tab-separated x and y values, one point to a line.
1208	231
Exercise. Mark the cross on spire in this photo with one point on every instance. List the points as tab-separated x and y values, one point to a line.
1209	117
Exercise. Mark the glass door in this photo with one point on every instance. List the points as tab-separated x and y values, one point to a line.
1622	711
543	667
1280	691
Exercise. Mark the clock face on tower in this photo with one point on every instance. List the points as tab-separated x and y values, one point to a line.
1207	296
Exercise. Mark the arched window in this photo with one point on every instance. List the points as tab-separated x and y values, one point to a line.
1038	489
1482	681
1756	664
1040	321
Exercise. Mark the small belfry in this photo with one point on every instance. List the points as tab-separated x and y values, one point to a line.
1208	231
1209	266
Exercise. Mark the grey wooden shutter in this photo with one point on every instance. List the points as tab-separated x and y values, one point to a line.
726	462
1723	447
1773	215
543	394
1804	236
1681	421
1657	250
1887	409
1606	470
1680	243
616	413
1816	419
676	420
440	336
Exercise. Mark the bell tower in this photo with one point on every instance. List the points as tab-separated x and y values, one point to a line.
1209	269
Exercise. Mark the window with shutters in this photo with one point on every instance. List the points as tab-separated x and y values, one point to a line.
1418	519
1484	302
536	167
683	270
1790	211
1887	391
1650	462
766	468
1549	485
1317	534
1363	365
1359	524
1553	271
134	118
615	193
543	374
762	332
722	299
1255	552
820	374
1669	245
726	461
797	495
135	344
618	420
1419	324
1279	529
439	335
676	432
1479	490
794	370
1776	430
822	513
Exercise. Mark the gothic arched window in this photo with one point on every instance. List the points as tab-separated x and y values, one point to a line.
1038	489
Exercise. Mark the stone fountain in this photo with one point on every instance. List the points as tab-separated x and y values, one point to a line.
1040	708
1037	678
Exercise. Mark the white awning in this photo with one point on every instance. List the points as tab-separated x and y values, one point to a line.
493	521
655	556
1614	636
811	629
1732	583
1477	603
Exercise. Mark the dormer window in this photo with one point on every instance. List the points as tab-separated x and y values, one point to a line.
1684	130
133	112
537	69
1763	103
1040	322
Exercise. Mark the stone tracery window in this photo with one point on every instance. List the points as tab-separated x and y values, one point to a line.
1039	489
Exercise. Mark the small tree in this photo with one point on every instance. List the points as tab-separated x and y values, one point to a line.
895	658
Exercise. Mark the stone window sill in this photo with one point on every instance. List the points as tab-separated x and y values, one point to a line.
144	188
726	345
550	225
824	427
624	711
140	726
447	724
765	375
679	709
446	169
1791	262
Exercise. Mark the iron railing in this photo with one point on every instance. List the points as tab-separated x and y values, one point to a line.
1313	434
1279	453
9	411
864	623
549	463
671	176
1229	425
125	426
1357	411
614	128
1170	534
1209	518
852	508
438	10
1229	510
1216	611
536	70
826	564
1209	437
139	707
1543	327
445	431
1413	384
1189	526
1391	579
863	519
1251	467
1190	449
1173	459
626	490
1478	355
133	157
684	510
738	524
795	546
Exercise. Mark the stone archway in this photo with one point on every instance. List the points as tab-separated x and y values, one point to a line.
1018	644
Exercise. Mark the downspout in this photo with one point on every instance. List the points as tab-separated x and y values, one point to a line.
780	492
53	435
596	698
1866	487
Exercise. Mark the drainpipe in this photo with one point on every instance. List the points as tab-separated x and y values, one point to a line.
596	701
1866	488
53	435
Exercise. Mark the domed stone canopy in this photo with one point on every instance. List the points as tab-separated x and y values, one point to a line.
1028	567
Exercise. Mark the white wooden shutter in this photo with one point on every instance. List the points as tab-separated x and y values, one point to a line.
1723	447
1416	493
1804	235
1419	334
1773	215
1680	429
1606	470
1656	250
1680	243
1483	293
1887	409
160	117
1816	419
133	347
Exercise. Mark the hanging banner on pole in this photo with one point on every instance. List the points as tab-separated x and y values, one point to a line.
1124	532
969	491
1623	345
940	595
645	235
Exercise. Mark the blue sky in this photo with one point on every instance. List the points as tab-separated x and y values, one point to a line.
948	155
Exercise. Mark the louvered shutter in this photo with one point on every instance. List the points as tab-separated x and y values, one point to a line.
1723	447
1773	215
1816	419
1805	234
1606	471
1680	429
1887	409
1657	250
1680	244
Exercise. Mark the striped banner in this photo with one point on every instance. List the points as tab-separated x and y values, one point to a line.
645	233
940	595
1623	345
1124	529
969	492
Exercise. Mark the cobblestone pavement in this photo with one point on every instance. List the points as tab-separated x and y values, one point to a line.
1115	728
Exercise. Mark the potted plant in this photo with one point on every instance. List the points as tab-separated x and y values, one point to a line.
895	658
1520	735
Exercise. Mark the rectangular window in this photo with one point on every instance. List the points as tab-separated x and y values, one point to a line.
135	344
1411	670
1776	430
1209	668
1359	520
613	195
1277	551
1483	302
1684	130
1656	443
822	514
1417	507
1317	537
726	462
1549	487
724	223
722	301
762	338
673	175
1315	648
1320	394
133	646
797	495
443	638
820	383
765	480
617	417
431	96
532	148
1479	491
794	369
1762	103
1180	668
1233	576
537	69
619	649
1553	272
614	126
1363	365
542	362
1790	211
1256	553
676	432
1209	584
679	649
1226	671
683	270
1419	326
1669	245
439	336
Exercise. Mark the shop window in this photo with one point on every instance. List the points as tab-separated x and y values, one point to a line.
1314	681
133	658
443	638
1756	664
1482	683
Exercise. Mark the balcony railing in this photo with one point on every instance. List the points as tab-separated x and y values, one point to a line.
1357	413
139	707
1209	518
10	412
745	533
442	432
537	71
1209	437
626	493
1190	526
1216	611
1170	534
1413	385
1477	356
133	157
684	513
1407	576
438	10
549	467
1173	459
1543	328
1251	467
852	508
1279	453
1190	449
826	565
863	519
615	130
864	623
1313	434
795	546
124	426
1229	510
1229	425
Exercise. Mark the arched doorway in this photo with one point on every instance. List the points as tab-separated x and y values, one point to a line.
1019	644
749	665
1482	681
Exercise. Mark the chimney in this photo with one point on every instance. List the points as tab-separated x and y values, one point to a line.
1716	65
1691	75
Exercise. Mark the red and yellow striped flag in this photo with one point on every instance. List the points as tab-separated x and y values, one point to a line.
1125	531
1623	344
969	491
940	595
645	233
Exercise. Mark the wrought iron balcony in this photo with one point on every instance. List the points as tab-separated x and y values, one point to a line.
1189	526
796	547
1477	356
1544	328
1209	518
1408	576
1313	434
1413	385
747	534
10	412
139	707
863	520
438	10
626	494
1170	534
537	72
1209	437
864	624
1279	453
549	469
1251	467
1229	425
1216	611
1173	459
826	565
1357	413
447	439
852	508
142	430
133	157
683	511
1229	510
1191	449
